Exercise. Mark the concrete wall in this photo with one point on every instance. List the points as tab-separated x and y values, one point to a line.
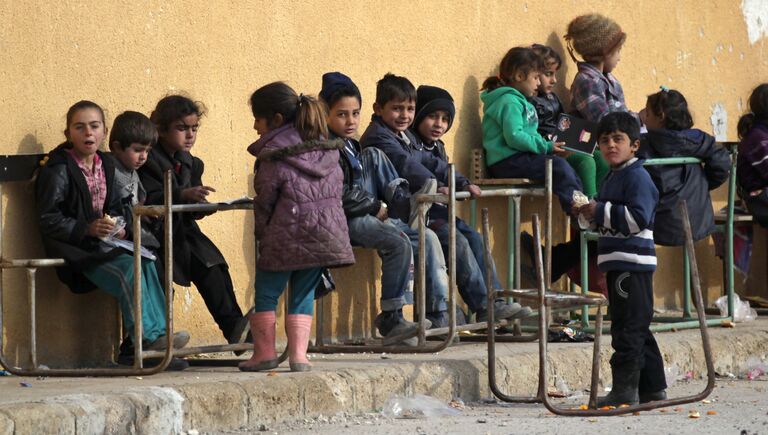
128	56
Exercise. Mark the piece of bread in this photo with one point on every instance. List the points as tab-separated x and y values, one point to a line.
109	219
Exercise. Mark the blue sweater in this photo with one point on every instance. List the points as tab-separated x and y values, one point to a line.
626	206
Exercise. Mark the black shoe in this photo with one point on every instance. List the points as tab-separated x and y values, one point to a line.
624	391
241	332
176	364
501	310
653	397
180	339
440	319
392	323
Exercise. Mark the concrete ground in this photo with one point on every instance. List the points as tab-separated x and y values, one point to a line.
222	399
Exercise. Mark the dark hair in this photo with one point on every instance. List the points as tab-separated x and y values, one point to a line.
673	106
619	121
132	127
307	114
758	110
341	92
80	105
518	60
392	87
548	55
171	108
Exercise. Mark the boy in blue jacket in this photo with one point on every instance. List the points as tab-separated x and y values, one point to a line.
394	109
624	214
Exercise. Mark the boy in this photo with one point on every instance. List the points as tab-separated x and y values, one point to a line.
132	136
371	188
623	214
388	131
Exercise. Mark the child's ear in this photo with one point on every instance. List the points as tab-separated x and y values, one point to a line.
277	120
520	77
376	109
634	146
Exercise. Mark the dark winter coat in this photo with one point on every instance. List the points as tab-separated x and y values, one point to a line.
691	183
752	161
188	239
298	217
548	108
64	211
356	200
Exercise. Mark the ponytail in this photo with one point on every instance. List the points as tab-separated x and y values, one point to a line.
520	60
491	83
311	117
758	106
746	122
307	114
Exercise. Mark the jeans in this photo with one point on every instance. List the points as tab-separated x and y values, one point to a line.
470	264
380	177
270	285
394	248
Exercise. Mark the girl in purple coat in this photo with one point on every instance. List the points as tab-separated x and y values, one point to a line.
752	161
299	222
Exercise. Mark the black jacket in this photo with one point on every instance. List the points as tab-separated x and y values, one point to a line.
548	109
188	239
64	211
355	199
691	183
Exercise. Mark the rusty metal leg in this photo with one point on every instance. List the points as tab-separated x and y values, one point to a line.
32	316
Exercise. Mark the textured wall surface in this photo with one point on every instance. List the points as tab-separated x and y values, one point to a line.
127	55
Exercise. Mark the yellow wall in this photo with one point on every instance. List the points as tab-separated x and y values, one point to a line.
127	57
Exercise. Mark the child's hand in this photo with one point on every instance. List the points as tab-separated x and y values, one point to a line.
382	215
474	190
101	227
559	150
588	211
196	194
444	190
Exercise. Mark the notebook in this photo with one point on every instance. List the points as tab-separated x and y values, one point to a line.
578	134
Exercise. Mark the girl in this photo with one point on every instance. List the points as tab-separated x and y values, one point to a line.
75	196
752	161
513	146
299	222
670	134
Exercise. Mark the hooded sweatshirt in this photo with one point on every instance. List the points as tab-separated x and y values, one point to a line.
510	126
298	216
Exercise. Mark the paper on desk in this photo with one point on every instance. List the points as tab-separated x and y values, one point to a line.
128	245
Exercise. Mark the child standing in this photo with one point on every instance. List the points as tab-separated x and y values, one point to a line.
624	216
196	259
670	134
513	146
298	219
75	196
752	161
371	188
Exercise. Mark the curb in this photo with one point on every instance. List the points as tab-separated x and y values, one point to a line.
248	402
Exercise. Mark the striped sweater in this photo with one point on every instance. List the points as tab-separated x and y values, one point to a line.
626	206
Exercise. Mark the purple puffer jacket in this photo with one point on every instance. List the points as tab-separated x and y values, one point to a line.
299	221
752	160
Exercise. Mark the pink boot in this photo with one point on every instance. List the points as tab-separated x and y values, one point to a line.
297	327
263	331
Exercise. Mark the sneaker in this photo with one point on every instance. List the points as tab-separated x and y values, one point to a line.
180	339
175	365
501	310
241	333
392	323
429	187
440	319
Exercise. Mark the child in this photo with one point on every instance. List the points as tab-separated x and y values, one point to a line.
435	112
394	111
670	135
752	161
196	259
624	216
513	146
370	184
75	195
298	219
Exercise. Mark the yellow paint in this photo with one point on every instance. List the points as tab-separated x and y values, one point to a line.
128	55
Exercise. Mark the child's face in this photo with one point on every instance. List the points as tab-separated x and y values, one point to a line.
181	134
86	132
397	115
548	78
652	120
344	117
434	125
132	157
527	84
261	125
616	147
611	60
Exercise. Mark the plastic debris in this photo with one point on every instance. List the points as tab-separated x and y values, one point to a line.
568	334
694	414
755	368
5	373
742	311
25	384
457	403
418	406
671	374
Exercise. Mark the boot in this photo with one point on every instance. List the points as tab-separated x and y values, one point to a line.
264	355
625	384
297	327
653	397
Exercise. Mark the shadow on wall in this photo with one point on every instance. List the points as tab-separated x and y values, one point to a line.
556	43
70	332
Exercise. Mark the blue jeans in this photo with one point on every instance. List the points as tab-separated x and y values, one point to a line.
380	177
394	248
470	264
436	272
270	285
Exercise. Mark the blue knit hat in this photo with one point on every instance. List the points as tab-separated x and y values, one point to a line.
430	99
333	82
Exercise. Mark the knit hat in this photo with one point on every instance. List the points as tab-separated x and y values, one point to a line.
333	81
430	99
593	36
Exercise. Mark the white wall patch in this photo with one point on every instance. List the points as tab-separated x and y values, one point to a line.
719	121
756	16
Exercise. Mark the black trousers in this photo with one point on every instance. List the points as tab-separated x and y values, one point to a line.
215	286
630	296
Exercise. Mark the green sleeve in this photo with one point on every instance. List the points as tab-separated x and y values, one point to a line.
515	136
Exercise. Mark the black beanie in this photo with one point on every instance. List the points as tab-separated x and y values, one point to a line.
333	81
430	99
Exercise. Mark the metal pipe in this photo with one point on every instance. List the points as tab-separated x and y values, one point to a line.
33	315
136	312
